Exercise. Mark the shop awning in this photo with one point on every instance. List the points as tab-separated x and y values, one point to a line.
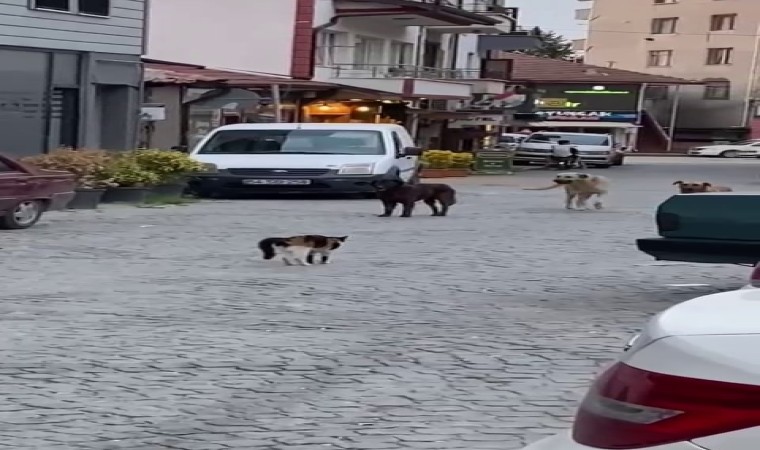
569	124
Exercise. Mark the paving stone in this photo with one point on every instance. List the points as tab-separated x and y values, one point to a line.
134	328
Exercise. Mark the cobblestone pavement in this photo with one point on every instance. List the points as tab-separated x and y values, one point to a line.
137	328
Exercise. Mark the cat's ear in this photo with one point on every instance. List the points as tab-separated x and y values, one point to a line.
343	238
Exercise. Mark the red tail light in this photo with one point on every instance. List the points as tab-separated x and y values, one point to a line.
754	278
630	408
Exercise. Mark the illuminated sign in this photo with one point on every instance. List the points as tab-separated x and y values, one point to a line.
589	116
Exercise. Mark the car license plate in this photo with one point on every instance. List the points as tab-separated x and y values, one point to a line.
277	182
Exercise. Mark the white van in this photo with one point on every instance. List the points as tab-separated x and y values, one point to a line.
315	158
595	149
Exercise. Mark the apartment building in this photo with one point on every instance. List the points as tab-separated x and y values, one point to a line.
71	73
715	41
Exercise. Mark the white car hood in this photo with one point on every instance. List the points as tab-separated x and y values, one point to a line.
292	161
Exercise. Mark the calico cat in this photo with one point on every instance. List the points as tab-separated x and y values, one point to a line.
301	249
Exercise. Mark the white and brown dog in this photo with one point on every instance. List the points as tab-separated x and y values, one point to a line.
579	187
691	187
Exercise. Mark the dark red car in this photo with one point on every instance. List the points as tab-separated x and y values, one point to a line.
26	192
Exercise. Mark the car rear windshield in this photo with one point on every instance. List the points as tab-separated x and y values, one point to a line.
298	142
574	139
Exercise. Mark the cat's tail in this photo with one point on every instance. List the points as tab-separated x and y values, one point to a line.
267	246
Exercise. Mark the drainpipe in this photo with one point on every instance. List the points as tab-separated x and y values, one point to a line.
752	80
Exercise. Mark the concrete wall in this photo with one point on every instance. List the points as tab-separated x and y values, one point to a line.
167	132
255	35
619	37
120	33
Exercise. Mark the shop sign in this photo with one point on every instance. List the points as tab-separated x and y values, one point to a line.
478	121
589	116
513	99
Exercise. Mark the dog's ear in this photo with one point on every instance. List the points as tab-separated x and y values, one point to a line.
677	183
706	185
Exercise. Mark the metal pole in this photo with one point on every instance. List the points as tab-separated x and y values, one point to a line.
277	103
752	80
674	117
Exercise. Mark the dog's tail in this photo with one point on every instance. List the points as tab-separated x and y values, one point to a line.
267	246
543	188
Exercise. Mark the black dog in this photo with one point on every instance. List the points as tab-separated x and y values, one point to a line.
393	192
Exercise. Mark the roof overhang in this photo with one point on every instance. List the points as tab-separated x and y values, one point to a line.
412	13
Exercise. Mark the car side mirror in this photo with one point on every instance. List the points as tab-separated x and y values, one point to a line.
410	151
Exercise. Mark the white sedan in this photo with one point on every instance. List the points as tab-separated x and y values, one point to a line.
689	381
733	150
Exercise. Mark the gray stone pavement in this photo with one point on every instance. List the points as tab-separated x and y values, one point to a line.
137	328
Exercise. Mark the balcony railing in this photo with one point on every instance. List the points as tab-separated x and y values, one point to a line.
402	71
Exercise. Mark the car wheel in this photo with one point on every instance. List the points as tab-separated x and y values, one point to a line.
730	154
619	162
23	215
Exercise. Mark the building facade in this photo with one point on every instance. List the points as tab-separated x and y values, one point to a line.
716	42
71	74
395	60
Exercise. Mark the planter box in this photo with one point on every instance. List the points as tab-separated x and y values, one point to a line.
168	190
444	173
86	199
126	195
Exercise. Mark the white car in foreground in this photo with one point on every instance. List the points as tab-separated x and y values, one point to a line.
689	381
749	148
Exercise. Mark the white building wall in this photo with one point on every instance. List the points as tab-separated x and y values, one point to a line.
255	35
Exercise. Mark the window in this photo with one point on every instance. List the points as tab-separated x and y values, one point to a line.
660	58
402	54
719	56
5	167
367	51
723	22
326	43
55	5
657	93
294	142
95	7
717	90
88	7
664	25
399	147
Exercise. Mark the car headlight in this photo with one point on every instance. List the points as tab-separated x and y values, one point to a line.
356	169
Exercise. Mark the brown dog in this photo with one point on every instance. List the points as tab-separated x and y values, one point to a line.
687	187
394	192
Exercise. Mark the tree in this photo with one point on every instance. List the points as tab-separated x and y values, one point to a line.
553	45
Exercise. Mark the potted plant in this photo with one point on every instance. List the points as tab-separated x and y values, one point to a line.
461	163
87	165
131	182
436	163
171	167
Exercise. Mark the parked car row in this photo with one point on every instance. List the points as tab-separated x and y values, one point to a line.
595	149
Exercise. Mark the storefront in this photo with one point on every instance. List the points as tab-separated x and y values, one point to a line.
355	111
588	108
